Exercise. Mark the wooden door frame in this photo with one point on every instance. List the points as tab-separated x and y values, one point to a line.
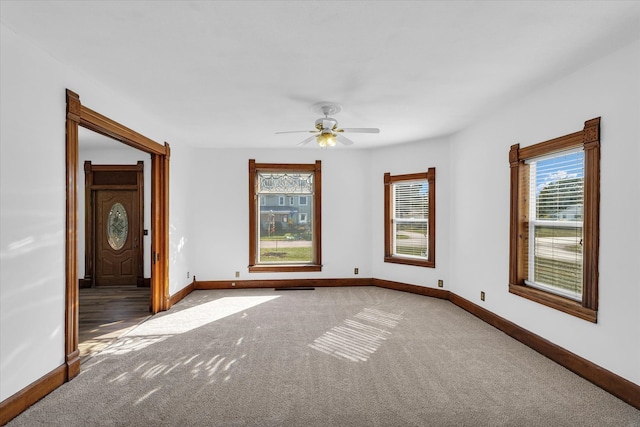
79	115
90	190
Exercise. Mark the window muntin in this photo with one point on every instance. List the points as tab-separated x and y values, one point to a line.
554	231
410	218
284	237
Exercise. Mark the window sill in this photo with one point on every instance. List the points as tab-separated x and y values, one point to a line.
557	302
410	261
286	268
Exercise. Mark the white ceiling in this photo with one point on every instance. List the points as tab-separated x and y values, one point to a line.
230	74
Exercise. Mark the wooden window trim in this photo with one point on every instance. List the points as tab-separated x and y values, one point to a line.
316	264
589	139
389	179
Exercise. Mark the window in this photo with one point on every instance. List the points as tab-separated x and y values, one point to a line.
554	222
282	238
302	200
292	201
409	218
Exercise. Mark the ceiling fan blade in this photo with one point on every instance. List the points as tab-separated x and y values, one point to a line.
359	130
297	131
343	139
307	140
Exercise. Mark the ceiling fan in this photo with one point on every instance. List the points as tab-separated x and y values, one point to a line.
327	131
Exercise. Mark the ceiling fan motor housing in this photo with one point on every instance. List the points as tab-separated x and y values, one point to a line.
326	123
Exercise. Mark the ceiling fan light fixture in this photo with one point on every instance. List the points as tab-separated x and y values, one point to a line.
326	139
327	133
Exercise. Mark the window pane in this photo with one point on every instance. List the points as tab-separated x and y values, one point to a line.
285	183
558	259
285	232
557	207
411	238
559	186
412	200
411	214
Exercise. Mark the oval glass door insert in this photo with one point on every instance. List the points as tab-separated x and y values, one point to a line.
117	226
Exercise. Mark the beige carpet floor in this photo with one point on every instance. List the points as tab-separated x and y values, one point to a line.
358	356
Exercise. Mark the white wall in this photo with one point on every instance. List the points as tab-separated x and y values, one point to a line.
609	88
220	181
406	159
32	202
181	207
32	216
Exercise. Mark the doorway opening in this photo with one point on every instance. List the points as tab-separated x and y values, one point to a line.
114	294
79	115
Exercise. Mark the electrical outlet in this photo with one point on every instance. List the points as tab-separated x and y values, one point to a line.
440	283
233	284
355	270
481	295
237	274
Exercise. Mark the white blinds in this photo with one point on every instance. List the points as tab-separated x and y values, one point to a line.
411	218
555	228
411	200
557	186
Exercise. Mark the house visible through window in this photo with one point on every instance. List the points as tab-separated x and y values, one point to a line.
410	218
284	237
554	222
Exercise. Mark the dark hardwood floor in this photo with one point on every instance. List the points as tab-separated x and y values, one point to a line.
107	313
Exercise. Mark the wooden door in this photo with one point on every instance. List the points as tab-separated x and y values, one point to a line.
117	243
114	224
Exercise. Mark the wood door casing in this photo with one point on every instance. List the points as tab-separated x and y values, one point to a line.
77	114
116	266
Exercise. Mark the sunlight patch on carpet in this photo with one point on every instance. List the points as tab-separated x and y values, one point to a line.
146	396
357	340
163	326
